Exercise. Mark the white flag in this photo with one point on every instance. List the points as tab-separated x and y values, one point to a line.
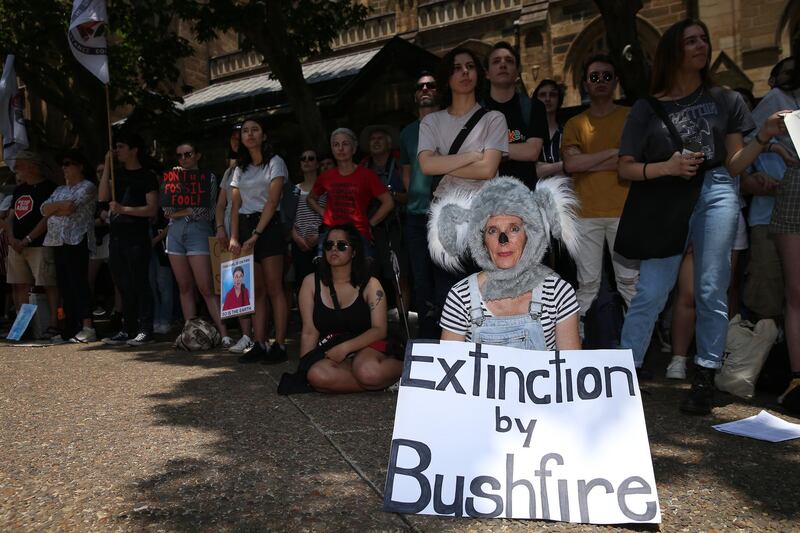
87	36
12	123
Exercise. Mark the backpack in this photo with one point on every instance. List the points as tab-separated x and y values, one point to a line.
198	335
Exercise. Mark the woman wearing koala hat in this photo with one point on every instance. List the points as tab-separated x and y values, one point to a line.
505	228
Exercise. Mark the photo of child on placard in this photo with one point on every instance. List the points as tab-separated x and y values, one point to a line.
236	280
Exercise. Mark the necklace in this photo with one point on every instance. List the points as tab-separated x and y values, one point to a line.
690	104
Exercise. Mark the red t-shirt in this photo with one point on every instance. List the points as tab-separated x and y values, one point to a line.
348	197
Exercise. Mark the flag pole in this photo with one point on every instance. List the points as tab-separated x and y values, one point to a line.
110	143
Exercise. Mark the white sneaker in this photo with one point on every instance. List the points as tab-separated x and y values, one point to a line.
85	335
227	342
242	345
677	367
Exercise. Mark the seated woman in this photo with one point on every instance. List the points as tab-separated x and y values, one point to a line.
514	301
343	307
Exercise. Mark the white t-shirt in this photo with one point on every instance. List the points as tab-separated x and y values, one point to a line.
253	183
558	303
438	130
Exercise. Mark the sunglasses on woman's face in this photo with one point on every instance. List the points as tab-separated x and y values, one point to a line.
308	158
185	155
340	245
595	77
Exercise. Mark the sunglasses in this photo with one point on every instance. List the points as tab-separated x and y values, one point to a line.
426	85
308	158
185	155
607	76
340	245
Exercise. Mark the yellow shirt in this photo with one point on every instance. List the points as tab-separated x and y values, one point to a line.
602	194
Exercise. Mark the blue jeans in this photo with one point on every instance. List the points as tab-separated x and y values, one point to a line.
161	286
712	229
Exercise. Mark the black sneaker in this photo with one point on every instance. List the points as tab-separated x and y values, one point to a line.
116	340
702	394
253	355
141	339
275	355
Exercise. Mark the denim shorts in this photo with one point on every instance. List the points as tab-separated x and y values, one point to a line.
188	237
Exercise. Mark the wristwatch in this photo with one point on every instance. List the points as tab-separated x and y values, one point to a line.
256	232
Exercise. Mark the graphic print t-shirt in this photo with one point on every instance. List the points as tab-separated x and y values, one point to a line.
520	132
702	119
27	204
348	197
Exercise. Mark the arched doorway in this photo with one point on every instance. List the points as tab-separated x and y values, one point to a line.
592	40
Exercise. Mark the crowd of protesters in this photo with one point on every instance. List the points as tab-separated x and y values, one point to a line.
660	186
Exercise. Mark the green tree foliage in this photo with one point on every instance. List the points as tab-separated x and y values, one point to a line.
285	33
143	51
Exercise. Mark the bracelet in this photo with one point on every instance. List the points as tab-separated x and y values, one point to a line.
644	172
256	232
221	226
759	141
28	238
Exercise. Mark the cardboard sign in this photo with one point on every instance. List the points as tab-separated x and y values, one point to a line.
218	255
236	294
24	317
181	189
487	431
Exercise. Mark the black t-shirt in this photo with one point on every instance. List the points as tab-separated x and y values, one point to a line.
131	188
519	132
27	205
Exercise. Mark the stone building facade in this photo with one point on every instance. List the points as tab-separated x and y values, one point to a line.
554	37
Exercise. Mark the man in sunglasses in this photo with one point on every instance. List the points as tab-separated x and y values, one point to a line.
589	150
418	186
526	118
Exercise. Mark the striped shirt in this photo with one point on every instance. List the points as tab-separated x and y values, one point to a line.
307	221
558	303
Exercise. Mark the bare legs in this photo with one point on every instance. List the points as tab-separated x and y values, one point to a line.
368	370
789	250
196	270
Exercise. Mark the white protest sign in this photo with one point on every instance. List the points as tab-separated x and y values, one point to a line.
236	294
792	121
488	431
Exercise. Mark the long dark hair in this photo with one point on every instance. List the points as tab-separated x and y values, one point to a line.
359	271
243	158
669	56
446	70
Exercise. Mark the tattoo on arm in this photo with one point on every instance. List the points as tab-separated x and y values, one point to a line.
378	298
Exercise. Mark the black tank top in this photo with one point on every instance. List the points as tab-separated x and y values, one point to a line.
353	320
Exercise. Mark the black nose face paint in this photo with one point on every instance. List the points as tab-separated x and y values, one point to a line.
503	238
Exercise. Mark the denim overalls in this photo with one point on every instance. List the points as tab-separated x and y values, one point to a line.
517	331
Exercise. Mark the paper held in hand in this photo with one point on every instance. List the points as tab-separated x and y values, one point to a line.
792	121
488	431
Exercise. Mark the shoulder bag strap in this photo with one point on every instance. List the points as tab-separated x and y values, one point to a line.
660	113
459	140
468	127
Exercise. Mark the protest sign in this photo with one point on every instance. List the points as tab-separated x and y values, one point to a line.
236	291
218	255
488	431
185	188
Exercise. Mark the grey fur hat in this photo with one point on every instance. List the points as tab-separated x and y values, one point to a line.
458	219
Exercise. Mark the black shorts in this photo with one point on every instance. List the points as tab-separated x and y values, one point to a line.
270	242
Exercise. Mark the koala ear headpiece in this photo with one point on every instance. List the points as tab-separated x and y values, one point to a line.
447	229
457	221
559	207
